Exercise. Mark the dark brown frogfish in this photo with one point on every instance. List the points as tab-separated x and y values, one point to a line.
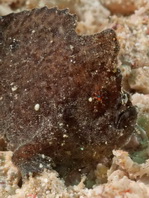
61	101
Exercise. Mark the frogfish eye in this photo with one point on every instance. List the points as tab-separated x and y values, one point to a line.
126	118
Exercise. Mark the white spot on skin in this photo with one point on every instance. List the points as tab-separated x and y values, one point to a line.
37	107
33	31
16	96
14	88
62	144
90	99
65	136
71	47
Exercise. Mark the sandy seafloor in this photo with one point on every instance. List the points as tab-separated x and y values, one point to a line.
126	178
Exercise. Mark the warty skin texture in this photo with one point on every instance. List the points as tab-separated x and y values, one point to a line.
60	93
